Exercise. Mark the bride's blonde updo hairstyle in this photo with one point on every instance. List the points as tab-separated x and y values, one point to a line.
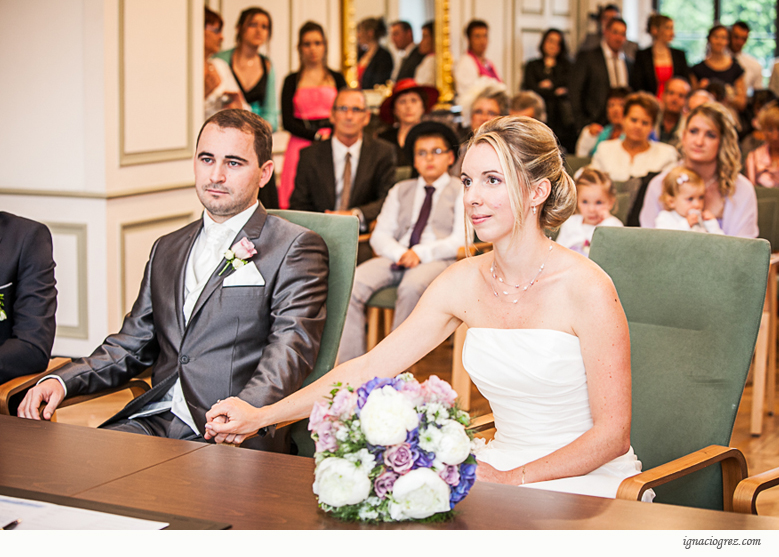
528	152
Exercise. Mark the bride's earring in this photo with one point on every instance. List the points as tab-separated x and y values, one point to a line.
534	209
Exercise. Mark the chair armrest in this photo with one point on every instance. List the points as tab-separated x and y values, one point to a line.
136	386
20	384
745	496
734	469
481	423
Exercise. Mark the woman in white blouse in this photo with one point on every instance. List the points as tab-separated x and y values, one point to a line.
634	154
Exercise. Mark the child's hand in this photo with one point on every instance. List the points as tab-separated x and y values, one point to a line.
707	215
693	217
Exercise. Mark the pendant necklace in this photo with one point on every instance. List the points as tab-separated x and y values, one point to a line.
502	284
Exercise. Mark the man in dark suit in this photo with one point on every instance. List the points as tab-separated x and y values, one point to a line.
247	324
349	173
598	70
402	38
28	297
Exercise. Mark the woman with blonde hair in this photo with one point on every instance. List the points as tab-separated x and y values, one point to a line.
535	310
709	145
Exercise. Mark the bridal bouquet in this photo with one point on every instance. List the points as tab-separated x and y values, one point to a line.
392	450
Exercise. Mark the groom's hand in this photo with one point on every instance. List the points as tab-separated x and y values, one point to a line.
49	391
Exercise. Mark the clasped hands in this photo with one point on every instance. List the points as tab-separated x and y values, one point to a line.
230	421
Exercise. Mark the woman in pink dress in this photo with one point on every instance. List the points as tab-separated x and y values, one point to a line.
306	100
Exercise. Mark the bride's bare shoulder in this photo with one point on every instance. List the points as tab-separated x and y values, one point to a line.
584	279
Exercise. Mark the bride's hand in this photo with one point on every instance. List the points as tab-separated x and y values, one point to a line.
487	473
230	421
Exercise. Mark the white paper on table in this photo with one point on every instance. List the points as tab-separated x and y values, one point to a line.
39	515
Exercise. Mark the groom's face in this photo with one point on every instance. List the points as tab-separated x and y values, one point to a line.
227	176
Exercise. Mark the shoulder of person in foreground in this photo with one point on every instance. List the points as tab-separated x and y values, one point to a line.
589	292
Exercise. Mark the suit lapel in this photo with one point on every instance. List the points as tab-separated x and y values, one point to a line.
178	263
328	175
363	173
251	230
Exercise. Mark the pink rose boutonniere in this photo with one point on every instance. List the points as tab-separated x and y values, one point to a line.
238	254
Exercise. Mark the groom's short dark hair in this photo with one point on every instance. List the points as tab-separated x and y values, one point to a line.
249	123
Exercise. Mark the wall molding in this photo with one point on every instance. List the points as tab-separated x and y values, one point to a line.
96	195
80	331
161	155
528	9
127	227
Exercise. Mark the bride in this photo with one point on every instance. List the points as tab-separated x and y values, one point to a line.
548	341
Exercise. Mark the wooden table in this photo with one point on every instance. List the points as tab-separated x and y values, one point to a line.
257	490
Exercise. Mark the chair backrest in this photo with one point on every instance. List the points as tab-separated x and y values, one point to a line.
622	207
693	303
768	220
340	234
573	164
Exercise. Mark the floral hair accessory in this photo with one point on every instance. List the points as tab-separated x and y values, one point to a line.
682	179
392	450
238	255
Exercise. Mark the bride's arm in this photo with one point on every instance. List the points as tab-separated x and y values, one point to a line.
599	322
431	322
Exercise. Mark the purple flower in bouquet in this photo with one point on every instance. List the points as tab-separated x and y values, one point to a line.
344	403
450	474
467	477
424	459
436	390
383	484
400	457
375	383
319	413
326	440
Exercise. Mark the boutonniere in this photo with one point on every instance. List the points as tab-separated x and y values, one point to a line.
238	254
3	316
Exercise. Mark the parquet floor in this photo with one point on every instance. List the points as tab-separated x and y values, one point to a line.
762	453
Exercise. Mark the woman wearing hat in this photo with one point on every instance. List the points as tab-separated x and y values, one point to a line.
404	110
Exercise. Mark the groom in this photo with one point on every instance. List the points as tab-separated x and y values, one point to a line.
208	330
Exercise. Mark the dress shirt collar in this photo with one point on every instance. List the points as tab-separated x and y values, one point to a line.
340	150
609	54
235	224
439	184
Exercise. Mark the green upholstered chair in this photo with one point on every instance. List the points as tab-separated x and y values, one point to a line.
380	304
340	234
572	164
768	221
622	207
693	303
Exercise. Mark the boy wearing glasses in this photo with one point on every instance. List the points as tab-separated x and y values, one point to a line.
347	174
417	235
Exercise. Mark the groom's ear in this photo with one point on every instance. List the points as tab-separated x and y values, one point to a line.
266	171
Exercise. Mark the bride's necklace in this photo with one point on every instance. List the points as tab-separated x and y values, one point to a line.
500	283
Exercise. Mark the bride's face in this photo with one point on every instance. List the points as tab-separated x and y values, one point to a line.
486	195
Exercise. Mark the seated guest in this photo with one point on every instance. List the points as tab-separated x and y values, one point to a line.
656	65
754	137
485	101
697	98
347	174
425	72
375	64
674	96
709	145
419	230
219	89
683	198
306	100
549	76
593	134
28	297
528	103
595	197
404	110
720	66
402	38
596	72
207	330
762	166
635	155
474	63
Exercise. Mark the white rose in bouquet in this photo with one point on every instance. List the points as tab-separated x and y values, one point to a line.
454	445
339	482
387	416
419	494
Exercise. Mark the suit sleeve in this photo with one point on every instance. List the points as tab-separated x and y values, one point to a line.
123	355
384	178
34	305
305	177
298	320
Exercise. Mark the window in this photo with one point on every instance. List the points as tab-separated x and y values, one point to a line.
692	21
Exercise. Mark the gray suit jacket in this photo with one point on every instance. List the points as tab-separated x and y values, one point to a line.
254	342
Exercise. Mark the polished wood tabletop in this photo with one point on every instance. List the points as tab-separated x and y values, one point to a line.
257	490
65	459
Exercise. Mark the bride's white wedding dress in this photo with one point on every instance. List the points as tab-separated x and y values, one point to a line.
535	382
